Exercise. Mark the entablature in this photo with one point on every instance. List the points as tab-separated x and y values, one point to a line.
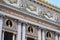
21	12
33	21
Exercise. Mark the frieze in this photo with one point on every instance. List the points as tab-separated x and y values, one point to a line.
15	3
31	19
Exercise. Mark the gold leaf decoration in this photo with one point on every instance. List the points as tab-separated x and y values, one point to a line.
12	1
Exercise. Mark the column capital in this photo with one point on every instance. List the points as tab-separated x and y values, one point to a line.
35	38
3	30
14	33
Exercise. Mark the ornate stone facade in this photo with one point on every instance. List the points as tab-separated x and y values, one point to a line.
28	20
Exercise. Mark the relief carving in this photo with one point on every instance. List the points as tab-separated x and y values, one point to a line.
31	7
49	15
15	3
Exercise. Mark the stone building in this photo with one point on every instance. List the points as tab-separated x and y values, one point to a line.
29	20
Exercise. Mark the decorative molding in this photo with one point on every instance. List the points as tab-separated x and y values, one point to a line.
11	21
30	15
15	3
27	21
31	7
47	6
51	5
49	15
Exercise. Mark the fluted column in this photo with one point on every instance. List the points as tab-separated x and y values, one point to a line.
39	34
56	36
1	23
19	32
43	35
23	32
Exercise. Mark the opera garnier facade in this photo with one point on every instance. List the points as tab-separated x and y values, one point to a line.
29	20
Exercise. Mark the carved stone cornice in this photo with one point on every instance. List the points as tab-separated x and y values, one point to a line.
26	17
51	5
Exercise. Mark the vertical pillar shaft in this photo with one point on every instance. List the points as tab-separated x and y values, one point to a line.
13	36
19	32
23	33
56	36
43	35
3	35
1	23
39	34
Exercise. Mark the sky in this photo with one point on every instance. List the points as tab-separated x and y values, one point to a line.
55	2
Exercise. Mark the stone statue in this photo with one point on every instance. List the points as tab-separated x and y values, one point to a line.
49	15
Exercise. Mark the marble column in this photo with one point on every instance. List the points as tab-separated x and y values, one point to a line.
1	23
13	36
3	35
39	34
56	36
19	32
23	32
43	35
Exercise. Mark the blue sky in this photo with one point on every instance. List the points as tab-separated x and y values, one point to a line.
55	2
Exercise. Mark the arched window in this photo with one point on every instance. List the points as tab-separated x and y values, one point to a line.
9	23
30	29
48	34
